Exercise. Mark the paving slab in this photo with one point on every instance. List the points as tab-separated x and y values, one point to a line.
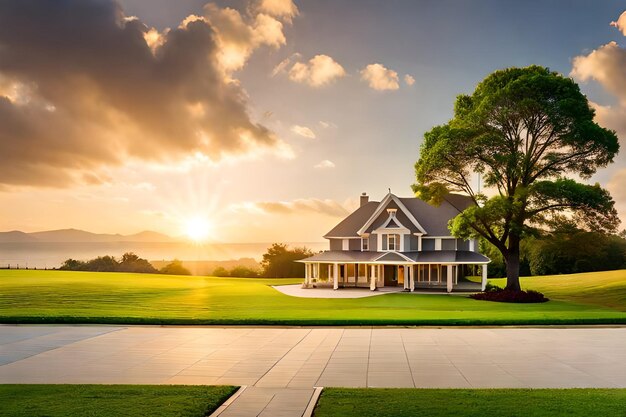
281	366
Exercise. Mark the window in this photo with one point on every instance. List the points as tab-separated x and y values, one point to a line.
365	244
391	242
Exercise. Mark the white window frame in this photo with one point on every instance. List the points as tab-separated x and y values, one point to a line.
345	244
365	244
391	237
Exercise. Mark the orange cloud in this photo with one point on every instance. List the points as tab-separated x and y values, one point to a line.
380	78
620	24
303	131
319	71
102	89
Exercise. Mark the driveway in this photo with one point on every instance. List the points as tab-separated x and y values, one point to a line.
282	365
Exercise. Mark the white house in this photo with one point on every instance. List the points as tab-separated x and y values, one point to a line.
398	242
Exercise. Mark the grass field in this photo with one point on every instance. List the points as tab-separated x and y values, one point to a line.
111	400
88	297
344	402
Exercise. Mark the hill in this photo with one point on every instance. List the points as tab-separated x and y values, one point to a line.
81	236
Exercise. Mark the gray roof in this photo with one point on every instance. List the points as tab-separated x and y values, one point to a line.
434	219
433	257
351	224
444	256
343	256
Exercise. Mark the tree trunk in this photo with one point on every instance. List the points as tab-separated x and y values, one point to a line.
512	264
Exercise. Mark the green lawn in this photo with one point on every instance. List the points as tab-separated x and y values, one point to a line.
345	402
88	297
606	288
111	400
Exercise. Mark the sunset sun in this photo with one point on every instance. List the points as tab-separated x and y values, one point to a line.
198	228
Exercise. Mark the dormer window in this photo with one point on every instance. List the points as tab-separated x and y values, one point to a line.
391	242
365	244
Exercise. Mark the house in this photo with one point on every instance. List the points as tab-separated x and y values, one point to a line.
398	242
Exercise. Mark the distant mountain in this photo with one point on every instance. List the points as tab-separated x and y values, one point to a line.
16	236
82	236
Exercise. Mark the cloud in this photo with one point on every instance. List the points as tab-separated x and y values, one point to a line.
298	206
303	131
605	65
238	37
409	80
380	78
319	71
281	67
325	164
285	9
83	87
620	24
327	125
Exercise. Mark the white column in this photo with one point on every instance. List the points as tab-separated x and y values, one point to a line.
305	284
483	282
330	271
449	281
412	278
372	277
406	277
335	276
356	275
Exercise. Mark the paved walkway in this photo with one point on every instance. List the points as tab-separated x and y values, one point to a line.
281	366
296	290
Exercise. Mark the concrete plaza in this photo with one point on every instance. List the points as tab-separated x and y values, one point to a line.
280	366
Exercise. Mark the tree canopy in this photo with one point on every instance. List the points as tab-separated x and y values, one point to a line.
530	135
280	262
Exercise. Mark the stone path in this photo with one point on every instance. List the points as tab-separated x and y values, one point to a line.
280	366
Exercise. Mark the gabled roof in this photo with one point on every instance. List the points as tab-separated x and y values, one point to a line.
382	205
431	220
351	224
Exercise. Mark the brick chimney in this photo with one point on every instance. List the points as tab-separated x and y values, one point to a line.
364	199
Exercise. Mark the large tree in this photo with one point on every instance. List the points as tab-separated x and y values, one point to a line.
528	133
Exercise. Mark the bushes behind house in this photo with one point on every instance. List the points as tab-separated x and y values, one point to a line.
129	262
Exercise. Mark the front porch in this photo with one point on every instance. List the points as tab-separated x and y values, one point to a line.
439	277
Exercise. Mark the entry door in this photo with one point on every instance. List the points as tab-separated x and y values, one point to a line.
391	278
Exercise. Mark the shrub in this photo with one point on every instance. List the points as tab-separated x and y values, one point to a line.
175	268
244	272
133	263
492	287
73	265
509	296
220	271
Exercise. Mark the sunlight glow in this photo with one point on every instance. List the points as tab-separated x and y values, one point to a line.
198	228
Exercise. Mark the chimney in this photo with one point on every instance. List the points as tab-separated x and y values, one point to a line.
364	199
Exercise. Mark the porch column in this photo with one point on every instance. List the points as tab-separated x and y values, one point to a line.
449	281
372	277
330	271
356	275
406	277
483	282
412	278
335	276
305	284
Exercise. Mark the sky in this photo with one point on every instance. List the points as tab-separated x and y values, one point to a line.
261	120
